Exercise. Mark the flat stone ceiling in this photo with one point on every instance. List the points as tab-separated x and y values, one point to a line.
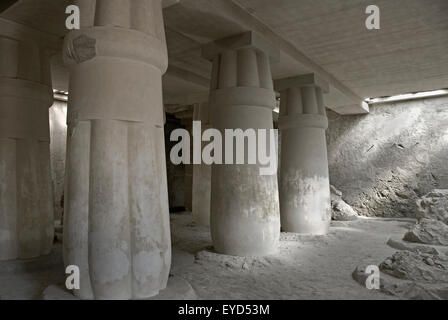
328	37
408	54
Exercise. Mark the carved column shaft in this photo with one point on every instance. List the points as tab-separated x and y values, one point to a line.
244	203
26	200
117	222
305	187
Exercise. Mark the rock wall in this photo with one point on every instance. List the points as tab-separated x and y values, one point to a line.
382	162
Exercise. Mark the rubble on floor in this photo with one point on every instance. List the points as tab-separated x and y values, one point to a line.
418	270
417	266
401	245
434	205
411	275
428	231
404	289
341	210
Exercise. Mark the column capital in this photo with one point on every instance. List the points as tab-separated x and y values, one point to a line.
20	32
244	40
25	60
302	102
306	80
25	88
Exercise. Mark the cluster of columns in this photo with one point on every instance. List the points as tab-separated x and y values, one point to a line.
116	224
246	208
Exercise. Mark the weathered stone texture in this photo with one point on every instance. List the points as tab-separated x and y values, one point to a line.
428	231
434	205
385	160
341	210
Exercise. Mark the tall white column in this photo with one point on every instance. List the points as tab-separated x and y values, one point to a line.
26	200
245	218
304	187
116	224
202	174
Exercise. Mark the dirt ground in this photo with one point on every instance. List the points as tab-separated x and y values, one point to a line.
305	267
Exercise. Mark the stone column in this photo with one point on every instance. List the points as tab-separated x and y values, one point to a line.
26	200
202	174
304	186
116	224
245	217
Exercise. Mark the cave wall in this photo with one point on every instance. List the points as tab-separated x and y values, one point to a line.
385	160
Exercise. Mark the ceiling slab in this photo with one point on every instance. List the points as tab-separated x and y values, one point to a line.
325	37
407	54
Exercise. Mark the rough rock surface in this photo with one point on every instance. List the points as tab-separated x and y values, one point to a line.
399	245
411	275
387	160
341	211
434	205
428	231
422	267
403	289
233	262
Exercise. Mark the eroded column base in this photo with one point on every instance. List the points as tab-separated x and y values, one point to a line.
177	289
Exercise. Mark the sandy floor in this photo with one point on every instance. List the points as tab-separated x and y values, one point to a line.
304	268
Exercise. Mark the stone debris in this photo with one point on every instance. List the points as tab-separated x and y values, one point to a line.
399	245
428	231
341	210
434	205
399	288
233	262
225	261
411	275
415	291
421	267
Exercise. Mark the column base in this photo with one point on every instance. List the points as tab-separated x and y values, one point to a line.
177	289
317	229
